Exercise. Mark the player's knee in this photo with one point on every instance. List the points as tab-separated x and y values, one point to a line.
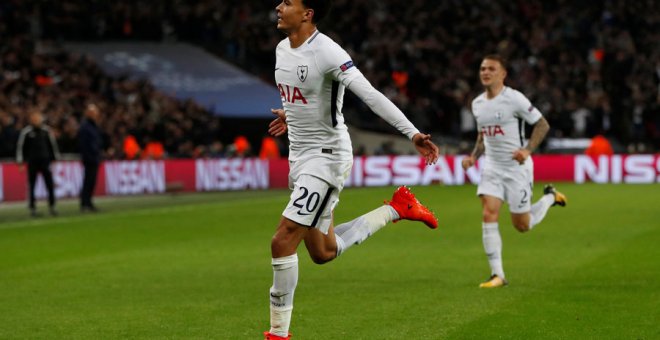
285	241
279	245
490	216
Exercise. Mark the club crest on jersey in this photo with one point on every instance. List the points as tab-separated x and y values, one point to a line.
498	115
346	65
302	72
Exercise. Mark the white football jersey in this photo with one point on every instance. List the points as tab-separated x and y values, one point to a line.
312	79
501	122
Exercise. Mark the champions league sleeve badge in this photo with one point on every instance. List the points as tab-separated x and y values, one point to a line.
346	65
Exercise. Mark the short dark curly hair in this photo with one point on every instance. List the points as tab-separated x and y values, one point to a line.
321	8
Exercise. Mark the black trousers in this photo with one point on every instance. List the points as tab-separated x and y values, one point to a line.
43	168
89	183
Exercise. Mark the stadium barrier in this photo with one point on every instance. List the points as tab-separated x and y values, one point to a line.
226	174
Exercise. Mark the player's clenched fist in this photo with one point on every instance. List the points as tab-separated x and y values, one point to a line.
467	162
278	126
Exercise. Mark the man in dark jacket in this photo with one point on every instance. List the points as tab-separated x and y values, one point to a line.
8	135
37	147
90	146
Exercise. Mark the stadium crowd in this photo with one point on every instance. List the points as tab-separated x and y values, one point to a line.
137	120
60	84
591	68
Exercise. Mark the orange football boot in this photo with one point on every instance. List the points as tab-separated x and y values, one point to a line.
409	208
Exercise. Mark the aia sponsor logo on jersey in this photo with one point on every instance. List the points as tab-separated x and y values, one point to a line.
291	94
492	130
302	72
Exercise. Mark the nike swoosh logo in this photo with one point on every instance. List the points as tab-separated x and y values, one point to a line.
409	206
303	214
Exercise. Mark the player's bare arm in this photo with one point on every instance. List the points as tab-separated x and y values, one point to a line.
426	148
541	129
476	153
278	126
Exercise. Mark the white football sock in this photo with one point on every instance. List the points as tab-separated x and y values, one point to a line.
359	229
540	208
285	279
493	247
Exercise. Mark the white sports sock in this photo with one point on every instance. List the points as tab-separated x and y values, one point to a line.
540	208
340	245
493	247
359	229
285	279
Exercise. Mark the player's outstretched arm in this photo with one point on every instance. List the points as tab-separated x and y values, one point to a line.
382	106
278	126
426	148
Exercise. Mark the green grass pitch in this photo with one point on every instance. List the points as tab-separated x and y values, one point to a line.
198	267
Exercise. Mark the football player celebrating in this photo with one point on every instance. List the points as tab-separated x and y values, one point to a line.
508	170
312	72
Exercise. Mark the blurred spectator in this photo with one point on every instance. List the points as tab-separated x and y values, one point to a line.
131	147
199	152
8	136
68	136
240	148
361	150
153	149
386	148
269	148
216	149
599	146
185	150
91	148
580	116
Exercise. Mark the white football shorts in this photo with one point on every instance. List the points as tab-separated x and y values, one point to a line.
510	184
316	185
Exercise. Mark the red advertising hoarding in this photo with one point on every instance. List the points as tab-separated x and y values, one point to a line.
225	174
